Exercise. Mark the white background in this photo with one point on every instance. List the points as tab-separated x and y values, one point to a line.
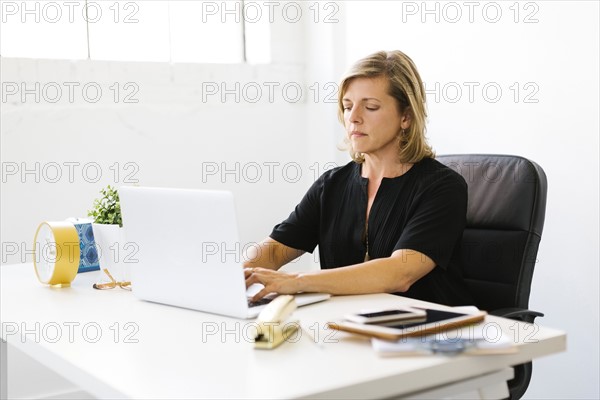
173	134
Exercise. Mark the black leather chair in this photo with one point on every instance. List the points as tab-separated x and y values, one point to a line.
505	218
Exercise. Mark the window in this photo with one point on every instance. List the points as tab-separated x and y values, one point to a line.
37	29
163	31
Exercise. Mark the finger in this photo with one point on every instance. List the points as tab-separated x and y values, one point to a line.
264	291
250	271
252	278
255	277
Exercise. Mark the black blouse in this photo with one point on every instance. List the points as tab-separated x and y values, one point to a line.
423	210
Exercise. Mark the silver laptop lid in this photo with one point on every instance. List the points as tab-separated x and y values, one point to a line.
188	249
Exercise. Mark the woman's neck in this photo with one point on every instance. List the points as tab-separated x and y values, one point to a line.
375	169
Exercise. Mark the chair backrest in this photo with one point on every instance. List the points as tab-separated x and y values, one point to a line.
505	218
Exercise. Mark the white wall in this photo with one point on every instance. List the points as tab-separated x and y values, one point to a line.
171	133
175	134
558	57
170	138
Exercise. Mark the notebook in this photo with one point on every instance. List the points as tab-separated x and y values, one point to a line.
187	251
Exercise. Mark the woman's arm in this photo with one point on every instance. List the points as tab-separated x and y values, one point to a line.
392	274
270	254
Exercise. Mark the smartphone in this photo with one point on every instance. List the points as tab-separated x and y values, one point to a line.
387	315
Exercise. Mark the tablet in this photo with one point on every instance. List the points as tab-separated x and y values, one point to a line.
435	321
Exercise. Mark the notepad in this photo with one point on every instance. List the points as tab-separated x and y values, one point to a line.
480	339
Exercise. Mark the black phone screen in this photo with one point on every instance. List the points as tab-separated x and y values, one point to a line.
384	313
431	317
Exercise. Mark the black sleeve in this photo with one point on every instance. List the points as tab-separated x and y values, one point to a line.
301	229
437	221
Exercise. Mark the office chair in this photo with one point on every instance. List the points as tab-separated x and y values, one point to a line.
505	218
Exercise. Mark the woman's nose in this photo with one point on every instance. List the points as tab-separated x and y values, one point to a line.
355	116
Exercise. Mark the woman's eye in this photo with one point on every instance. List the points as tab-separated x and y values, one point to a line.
372	108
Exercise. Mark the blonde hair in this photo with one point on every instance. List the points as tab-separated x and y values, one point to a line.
406	87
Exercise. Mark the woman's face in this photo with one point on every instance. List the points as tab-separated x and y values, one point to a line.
371	117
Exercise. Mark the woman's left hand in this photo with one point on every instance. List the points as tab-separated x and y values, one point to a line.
273	281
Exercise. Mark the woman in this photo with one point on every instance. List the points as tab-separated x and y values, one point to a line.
388	221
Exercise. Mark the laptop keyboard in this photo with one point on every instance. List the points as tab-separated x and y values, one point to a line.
264	300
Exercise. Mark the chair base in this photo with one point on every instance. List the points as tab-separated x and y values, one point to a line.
518	385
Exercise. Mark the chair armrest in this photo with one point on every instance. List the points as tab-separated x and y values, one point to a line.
519	314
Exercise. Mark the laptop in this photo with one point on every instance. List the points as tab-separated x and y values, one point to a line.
187	251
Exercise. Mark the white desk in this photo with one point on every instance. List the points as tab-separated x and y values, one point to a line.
178	353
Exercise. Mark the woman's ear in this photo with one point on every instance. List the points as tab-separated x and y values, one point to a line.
406	118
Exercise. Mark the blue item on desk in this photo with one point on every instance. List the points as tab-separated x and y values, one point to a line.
87	246
448	347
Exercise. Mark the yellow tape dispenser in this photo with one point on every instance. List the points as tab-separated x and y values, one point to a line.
272	326
57	253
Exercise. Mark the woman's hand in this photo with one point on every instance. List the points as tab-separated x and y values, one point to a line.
273	281
383	275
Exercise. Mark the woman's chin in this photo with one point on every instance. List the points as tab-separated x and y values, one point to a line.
359	147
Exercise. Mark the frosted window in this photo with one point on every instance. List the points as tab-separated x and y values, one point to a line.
129	30
258	35
206	31
55	30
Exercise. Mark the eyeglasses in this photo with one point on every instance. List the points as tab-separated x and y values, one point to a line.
112	284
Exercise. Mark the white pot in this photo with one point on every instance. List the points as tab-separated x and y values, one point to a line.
109	241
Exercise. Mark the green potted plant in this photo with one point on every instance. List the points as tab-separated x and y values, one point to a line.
107	209
108	231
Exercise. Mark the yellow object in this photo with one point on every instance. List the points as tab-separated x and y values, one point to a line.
56	253
275	333
272	328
